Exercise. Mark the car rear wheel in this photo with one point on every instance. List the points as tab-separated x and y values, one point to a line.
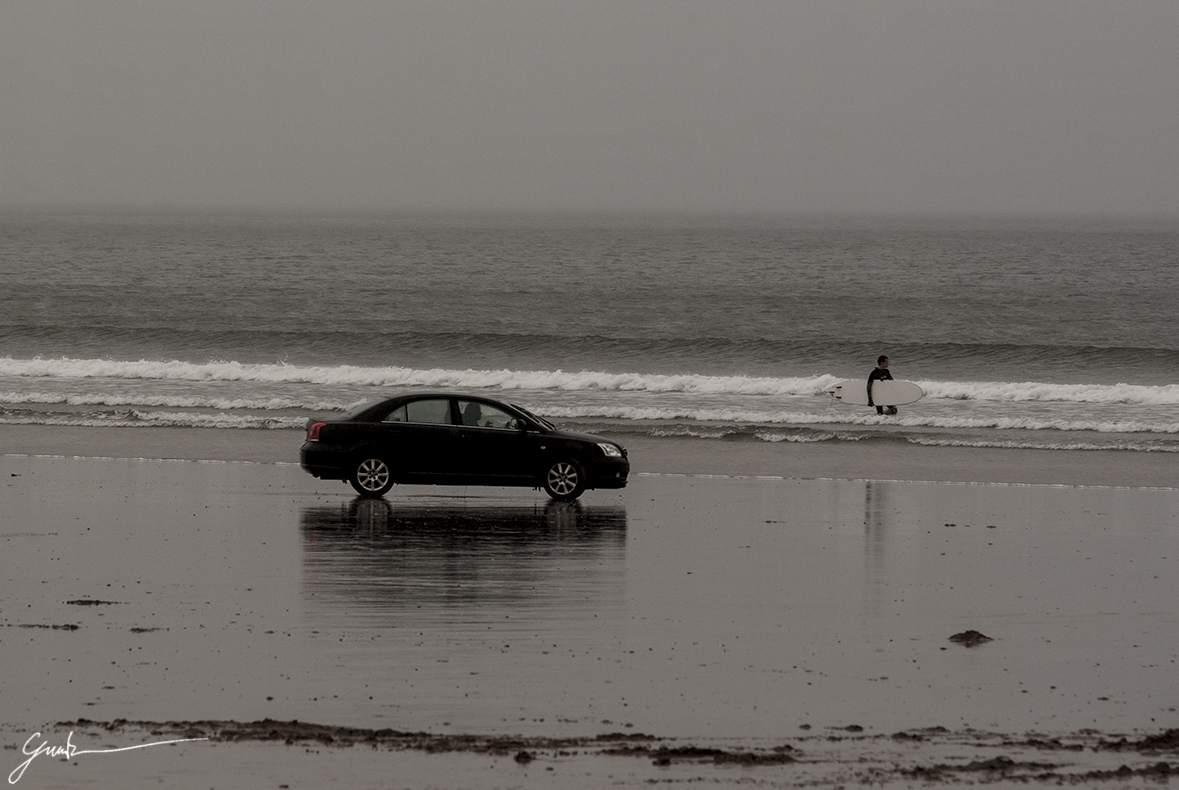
564	480
372	477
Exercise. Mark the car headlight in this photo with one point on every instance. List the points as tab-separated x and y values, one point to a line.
609	450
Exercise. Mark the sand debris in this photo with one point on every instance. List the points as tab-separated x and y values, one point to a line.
971	638
932	755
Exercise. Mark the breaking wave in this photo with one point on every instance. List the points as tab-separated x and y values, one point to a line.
352	375
65	368
1032	391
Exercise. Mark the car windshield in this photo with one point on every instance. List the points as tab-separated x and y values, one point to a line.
541	420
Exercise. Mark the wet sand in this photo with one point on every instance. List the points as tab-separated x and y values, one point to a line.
704	624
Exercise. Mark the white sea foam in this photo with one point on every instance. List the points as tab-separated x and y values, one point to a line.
153	392
802	438
692	431
350	375
560	380
1063	393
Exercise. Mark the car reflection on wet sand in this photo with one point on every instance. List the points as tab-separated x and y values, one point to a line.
370	557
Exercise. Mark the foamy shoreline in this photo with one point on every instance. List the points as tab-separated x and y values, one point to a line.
669	455
1101	414
508	380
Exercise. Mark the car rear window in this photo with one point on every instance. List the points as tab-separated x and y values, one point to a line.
358	409
431	410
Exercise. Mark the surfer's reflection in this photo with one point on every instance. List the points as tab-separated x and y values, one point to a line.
881	554
875	511
372	555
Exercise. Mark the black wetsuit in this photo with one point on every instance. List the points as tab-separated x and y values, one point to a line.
877	374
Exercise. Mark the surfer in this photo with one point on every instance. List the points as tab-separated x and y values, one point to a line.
880	373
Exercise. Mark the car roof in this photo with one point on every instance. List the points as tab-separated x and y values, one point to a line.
380	403
406	397
439	394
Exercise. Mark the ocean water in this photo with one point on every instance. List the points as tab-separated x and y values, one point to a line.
1022	334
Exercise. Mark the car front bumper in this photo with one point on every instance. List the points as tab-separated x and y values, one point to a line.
607	473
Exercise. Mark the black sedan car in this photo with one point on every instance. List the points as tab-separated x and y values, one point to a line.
447	439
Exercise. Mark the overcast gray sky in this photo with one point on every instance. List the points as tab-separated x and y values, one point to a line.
990	106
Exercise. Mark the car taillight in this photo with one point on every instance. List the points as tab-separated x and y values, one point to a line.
313	432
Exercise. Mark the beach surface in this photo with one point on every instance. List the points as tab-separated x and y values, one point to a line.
869	460
743	613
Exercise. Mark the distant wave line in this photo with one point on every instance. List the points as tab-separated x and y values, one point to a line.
1031	445
865	417
704	422
170	401
136	419
926	441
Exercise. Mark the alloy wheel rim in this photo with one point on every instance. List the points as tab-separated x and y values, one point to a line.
372	474
563	478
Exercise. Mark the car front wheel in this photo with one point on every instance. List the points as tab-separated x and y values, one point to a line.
564	480
372	477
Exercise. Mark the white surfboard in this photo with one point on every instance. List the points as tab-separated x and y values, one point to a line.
884	393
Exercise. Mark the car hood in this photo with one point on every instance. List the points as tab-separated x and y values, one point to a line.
582	437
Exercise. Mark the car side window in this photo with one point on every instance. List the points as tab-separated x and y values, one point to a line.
397	415
482	415
433	410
